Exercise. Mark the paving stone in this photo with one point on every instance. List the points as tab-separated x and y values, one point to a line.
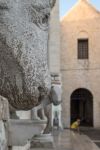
69	140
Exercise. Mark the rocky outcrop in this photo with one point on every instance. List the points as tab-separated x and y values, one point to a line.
23	50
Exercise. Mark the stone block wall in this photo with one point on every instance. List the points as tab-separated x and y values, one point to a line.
80	73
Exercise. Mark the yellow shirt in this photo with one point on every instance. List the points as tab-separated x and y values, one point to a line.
74	125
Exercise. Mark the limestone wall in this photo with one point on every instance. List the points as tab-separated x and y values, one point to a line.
80	73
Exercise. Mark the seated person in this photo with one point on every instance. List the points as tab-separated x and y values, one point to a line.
75	125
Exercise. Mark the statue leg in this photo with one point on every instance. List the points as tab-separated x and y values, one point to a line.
60	122
48	128
35	113
42	114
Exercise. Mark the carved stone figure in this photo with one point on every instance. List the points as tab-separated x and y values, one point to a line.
44	108
23	51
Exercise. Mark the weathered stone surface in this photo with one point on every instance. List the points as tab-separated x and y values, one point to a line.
42	141
4	109
19	131
23	50
3	138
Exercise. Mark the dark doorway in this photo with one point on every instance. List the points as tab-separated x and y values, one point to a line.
82	106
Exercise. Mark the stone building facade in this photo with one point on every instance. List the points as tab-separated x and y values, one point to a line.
80	64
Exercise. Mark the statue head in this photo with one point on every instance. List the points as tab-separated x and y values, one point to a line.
23	50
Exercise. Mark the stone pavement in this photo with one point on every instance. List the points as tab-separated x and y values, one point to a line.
68	140
92	133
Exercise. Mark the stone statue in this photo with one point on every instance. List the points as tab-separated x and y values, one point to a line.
44	109
23	51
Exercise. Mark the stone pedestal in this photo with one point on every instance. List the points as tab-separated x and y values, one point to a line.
20	131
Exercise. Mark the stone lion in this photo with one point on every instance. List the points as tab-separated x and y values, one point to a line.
24	33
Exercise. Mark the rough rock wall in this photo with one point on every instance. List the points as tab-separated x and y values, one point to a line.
23	50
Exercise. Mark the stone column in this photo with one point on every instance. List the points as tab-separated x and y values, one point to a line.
54	41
